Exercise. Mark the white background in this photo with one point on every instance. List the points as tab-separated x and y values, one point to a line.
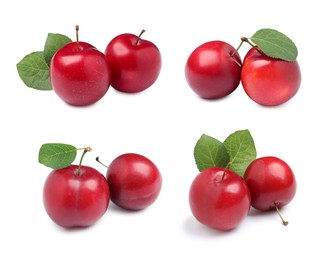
162	123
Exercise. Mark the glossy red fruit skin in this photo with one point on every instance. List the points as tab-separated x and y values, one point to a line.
219	204
135	63
271	182
134	181
269	81
79	74
73	200
211	72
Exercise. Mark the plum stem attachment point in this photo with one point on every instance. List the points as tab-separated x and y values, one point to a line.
77	37
245	39
87	149
226	168
97	159
285	223
139	36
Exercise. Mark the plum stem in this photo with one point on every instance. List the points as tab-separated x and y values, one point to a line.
285	223
97	159
226	168
238	47
244	39
77	37
87	149
139	36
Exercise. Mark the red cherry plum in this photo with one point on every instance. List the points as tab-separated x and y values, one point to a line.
76	200
211	70
269	81
271	182
134	180
219	202
135	63
79	74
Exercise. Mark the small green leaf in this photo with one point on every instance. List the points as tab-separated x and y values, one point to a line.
53	43
34	71
275	44
210	152
241	149
57	155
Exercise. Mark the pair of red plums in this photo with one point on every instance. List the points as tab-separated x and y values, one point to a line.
78	196
81	75
221	199
215	69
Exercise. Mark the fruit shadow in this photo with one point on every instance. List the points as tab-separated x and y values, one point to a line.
113	207
71	229
214	100
258	213
194	228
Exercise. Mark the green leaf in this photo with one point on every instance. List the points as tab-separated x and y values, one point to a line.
275	44
53	43
241	149
34	71
57	155
210	152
